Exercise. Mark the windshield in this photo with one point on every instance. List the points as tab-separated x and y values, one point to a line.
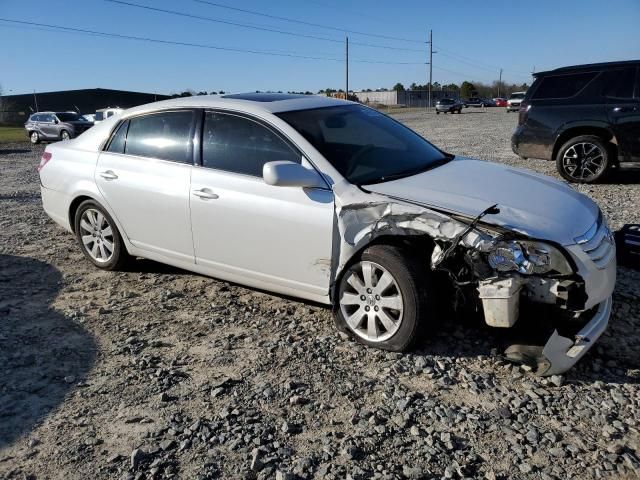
446	101
516	96
69	117
364	145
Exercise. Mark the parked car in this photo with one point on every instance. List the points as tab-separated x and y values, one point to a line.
89	117
55	126
448	105
500	102
585	117
297	195
479	102
104	113
515	99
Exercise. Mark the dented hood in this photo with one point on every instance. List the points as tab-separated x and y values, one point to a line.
533	204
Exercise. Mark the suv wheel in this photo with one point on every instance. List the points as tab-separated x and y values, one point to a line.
64	135
99	238
384	298
34	137
583	159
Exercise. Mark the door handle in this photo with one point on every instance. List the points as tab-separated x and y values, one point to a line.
624	109
108	175
205	194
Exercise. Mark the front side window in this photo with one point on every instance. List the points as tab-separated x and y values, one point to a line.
364	145
69	117
563	86
166	136
99	116
240	145
619	83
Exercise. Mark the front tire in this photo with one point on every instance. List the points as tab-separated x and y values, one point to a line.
384	298
34	137
99	238
583	159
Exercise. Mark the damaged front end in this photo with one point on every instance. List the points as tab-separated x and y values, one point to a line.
500	269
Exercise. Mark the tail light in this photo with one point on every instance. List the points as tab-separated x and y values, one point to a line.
523	113
46	156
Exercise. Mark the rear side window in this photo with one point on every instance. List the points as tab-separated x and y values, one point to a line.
240	145
619	83
563	86
167	136
119	139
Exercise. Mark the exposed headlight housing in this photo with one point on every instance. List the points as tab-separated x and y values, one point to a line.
528	257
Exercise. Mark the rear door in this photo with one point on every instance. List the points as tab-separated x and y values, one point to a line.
248	231
47	126
620	88
144	175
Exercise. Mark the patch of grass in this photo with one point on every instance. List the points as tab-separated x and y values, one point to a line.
12	135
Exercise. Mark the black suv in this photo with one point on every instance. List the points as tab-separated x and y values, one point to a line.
586	118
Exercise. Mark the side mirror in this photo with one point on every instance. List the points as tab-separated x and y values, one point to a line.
284	173
56	121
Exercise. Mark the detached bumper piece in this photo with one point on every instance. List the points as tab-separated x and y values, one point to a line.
561	353
628	245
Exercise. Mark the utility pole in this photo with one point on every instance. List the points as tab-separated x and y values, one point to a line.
499	83
346	91
431	52
35	99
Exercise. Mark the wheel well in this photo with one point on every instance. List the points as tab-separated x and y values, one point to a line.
73	208
603	133
419	245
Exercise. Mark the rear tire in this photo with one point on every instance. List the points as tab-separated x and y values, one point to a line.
385	298
99	238
64	135
583	159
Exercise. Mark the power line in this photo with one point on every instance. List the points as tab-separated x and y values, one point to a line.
477	63
196	45
255	27
276	17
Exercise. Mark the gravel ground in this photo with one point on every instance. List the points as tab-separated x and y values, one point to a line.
160	373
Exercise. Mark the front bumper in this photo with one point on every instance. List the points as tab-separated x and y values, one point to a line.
561	353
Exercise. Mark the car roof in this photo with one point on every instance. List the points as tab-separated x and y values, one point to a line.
589	66
265	102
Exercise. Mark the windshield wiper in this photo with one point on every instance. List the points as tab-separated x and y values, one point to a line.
410	173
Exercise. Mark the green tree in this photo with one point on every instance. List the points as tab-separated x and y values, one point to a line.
398	87
467	89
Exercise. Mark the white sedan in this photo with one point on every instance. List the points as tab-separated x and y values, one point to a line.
337	203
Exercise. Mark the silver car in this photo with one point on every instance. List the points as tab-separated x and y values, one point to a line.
448	105
55	126
334	202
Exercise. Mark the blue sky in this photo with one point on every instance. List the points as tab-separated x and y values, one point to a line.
474	39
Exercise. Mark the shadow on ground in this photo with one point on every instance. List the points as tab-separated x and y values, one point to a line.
43	354
13	151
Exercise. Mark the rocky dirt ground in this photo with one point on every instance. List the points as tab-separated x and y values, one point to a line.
160	373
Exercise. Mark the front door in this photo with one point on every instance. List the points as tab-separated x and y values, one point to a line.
144	175
245	230
623	109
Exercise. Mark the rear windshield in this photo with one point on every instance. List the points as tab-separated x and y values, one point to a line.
563	86
69	117
446	101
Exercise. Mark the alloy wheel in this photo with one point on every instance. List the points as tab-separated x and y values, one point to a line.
65	135
97	235
583	161
34	137
371	302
